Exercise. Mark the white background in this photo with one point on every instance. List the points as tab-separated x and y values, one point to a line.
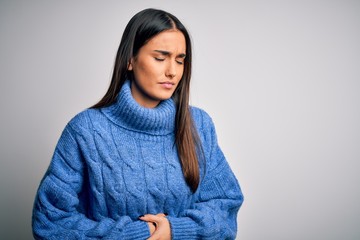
281	80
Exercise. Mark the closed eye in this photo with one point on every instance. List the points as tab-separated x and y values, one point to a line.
159	59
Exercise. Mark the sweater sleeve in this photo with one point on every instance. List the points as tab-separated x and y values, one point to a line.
214	215
59	207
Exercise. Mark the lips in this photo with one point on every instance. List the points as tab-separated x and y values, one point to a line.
167	85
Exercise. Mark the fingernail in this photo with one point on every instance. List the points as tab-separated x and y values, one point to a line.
141	216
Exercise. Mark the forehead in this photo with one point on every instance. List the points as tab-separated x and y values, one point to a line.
170	40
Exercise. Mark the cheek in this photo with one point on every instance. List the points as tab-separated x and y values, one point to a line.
150	68
181	72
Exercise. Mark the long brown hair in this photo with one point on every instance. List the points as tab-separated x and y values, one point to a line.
140	29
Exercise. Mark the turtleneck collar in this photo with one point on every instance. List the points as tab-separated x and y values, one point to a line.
127	113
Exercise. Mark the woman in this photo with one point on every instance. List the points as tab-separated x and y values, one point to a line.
141	163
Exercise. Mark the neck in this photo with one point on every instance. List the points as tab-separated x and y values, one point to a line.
128	113
142	98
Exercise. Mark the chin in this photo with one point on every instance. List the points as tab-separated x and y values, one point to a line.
165	96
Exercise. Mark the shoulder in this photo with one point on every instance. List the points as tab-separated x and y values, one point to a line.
204	125
201	118
85	120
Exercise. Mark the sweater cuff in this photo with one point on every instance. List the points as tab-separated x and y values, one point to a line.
134	231
183	228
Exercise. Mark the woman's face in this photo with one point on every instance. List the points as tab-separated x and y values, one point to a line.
158	68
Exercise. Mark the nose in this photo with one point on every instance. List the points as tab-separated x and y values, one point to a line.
171	70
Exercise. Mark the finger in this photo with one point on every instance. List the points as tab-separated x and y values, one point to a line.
152	227
162	231
150	218
161	215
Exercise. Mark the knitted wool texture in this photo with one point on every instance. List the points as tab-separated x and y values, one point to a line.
114	164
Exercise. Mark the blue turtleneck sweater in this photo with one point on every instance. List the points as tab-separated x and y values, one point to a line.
114	164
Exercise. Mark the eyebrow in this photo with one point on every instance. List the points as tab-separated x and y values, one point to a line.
166	53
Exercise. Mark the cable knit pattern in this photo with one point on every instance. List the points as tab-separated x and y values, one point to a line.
114	164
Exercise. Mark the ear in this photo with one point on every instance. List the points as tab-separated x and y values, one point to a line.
130	67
